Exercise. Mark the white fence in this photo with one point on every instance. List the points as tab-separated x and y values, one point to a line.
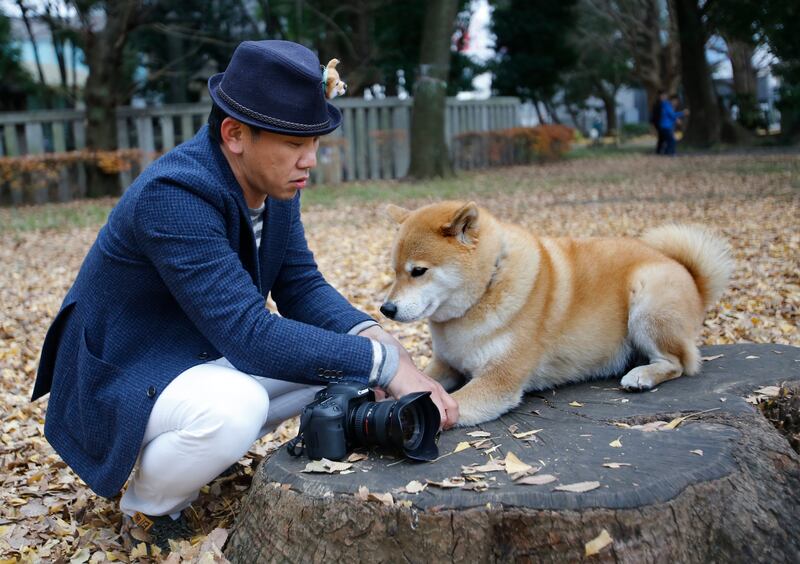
373	142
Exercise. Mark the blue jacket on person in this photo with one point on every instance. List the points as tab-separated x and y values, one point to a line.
174	279
668	116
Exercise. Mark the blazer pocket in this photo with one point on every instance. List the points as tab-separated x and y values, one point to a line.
47	360
97	400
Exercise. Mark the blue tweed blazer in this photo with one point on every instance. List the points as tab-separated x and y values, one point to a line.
174	279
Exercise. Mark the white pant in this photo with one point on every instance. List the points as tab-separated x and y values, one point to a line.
204	421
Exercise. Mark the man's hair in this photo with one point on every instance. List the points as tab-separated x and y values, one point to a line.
215	119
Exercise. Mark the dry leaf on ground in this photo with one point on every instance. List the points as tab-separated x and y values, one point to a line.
578	487
598	543
537	480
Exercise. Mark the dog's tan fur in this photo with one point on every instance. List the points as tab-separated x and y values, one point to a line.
511	312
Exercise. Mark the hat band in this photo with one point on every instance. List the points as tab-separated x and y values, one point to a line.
268	119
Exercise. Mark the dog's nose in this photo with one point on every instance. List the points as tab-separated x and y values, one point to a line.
389	310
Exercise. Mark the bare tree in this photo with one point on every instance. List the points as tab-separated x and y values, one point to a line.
648	29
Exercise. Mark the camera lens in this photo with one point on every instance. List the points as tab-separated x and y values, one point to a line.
410	426
410	423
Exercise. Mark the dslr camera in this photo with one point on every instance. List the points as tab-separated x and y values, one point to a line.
345	416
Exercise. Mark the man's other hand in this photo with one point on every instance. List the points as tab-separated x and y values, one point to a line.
409	379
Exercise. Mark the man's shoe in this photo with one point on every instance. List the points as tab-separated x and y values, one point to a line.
156	530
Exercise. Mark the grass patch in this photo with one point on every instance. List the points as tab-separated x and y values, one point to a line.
60	217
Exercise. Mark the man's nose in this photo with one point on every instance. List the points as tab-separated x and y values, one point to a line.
389	310
308	160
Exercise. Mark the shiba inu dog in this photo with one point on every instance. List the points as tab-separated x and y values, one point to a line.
511	312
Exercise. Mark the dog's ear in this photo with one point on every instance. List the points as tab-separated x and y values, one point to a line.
397	213
464	224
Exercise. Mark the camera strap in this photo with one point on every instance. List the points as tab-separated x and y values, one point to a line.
295	446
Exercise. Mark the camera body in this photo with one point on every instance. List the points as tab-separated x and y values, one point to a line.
344	416
324	421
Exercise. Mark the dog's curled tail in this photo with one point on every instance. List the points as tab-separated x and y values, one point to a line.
705	255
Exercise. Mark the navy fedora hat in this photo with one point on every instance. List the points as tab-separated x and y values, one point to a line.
277	86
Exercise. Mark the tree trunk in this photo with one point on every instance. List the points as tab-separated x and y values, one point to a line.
106	88
745	84
721	487
704	121
429	154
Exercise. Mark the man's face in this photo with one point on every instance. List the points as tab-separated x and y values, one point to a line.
273	165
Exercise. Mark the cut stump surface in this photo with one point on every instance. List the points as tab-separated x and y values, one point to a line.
723	485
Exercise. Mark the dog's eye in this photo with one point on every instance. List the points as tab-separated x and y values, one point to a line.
418	271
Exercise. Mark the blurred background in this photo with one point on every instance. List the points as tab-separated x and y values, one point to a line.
100	88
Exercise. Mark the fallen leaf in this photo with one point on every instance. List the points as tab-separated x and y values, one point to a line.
326	466
356	457
462	446
751	357
576	404
616	443
514	465
479	434
769	391
414	487
526	434
598	543
139	551
80	557
710	358
384	498
615	464
537	480
650	427
492	466
578	487
362	493
698	452
454	482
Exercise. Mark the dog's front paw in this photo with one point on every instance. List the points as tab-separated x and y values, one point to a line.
638	380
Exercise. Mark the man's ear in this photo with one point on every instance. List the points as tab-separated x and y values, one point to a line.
232	133
397	213
463	225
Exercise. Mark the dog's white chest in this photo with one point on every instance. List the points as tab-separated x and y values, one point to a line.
469	351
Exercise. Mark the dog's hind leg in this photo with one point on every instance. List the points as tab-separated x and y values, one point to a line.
665	318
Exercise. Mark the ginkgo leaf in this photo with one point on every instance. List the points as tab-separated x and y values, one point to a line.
462	446
616	443
514	465
576	404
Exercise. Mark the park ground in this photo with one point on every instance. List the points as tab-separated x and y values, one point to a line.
48	514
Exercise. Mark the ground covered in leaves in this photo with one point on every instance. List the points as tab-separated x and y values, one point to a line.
48	514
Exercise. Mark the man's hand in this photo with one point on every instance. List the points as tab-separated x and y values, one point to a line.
409	379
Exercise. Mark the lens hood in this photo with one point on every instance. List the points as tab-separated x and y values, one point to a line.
417	407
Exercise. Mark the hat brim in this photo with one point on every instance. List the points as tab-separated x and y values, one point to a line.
334	115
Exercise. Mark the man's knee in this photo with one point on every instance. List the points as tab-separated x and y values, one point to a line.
232	420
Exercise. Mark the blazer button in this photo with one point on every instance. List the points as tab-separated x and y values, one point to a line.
151	392
202	355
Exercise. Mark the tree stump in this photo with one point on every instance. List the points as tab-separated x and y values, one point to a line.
721	487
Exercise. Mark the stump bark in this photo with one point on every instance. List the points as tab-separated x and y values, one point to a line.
721	487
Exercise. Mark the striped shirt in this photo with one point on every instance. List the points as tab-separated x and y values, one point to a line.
257	219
